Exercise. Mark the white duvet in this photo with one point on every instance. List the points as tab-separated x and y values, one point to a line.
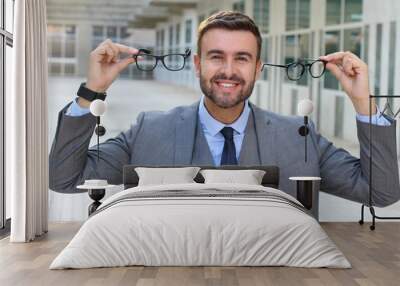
132	229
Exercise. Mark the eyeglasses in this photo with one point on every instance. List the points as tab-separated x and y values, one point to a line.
172	62
295	70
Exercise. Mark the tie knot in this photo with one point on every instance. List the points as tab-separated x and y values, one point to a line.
227	132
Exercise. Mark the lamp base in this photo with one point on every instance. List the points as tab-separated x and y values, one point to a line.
96	195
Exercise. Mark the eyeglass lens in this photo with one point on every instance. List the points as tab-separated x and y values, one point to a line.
317	68
295	71
146	62
174	62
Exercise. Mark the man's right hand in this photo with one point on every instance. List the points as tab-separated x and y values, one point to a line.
105	64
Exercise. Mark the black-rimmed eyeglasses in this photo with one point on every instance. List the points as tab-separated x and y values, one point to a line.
172	62
295	70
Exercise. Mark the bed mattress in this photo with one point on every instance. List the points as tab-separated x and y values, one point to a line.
201	225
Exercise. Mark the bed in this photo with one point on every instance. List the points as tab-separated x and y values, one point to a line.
201	224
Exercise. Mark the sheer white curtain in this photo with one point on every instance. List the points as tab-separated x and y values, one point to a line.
26	121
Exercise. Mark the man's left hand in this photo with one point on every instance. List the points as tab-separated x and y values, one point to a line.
352	73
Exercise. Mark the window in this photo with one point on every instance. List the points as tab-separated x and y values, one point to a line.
188	31
188	41
366	44
352	41
124	33
6	45
178	34
333	12
201	19
61	40
112	33
290	49
97	36
378	52
297	14
264	57
295	101
70	44
161	41
296	47
304	53
261	15
170	36
339	114
170	39
332	45
392	59
343	11
290	53
98	31
290	15
353	11
238	6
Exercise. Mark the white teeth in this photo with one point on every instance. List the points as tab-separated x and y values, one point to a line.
227	84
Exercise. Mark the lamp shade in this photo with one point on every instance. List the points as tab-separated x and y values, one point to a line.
305	107
98	107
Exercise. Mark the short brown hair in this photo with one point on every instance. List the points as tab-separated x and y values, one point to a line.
232	21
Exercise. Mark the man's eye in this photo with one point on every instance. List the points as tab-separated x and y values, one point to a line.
242	59
216	57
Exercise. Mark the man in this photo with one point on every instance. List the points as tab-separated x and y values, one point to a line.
224	128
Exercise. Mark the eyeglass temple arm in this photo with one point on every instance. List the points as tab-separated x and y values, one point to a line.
188	52
273	65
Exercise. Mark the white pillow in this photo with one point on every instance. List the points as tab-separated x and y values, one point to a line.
249	177
165	176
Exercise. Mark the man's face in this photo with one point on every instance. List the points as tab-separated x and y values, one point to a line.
227	66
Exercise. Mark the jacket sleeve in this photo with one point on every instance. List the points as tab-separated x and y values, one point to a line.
71	161
346	176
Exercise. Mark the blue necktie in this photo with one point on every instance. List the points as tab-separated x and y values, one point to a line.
229	152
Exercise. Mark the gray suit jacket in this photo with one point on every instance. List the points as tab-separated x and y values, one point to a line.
167	138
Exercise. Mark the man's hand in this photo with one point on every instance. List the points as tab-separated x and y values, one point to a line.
352	73
105	64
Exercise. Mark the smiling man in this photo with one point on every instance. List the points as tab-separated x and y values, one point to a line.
224	128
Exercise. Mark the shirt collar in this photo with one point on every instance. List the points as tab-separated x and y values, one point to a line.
213	126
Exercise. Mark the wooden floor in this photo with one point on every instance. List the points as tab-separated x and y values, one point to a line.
374	255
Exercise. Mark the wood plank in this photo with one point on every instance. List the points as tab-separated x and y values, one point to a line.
374	255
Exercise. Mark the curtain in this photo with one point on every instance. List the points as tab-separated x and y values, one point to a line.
26	124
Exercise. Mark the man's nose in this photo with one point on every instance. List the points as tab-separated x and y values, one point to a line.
228	68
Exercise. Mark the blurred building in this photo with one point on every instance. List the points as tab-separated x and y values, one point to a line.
290	29
76	27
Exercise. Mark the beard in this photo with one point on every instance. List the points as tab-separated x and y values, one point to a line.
226	100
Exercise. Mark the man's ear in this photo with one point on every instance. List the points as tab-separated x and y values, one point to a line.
196	60
259	66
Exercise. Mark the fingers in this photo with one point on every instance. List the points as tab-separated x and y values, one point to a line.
122	64
109	52
335	70
115	53
346	62
126	49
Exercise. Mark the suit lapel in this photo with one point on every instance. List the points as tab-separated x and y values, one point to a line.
265	132
185	133
185	130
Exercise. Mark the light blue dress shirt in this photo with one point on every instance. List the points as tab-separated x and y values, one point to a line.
376	119
76	110
212	127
